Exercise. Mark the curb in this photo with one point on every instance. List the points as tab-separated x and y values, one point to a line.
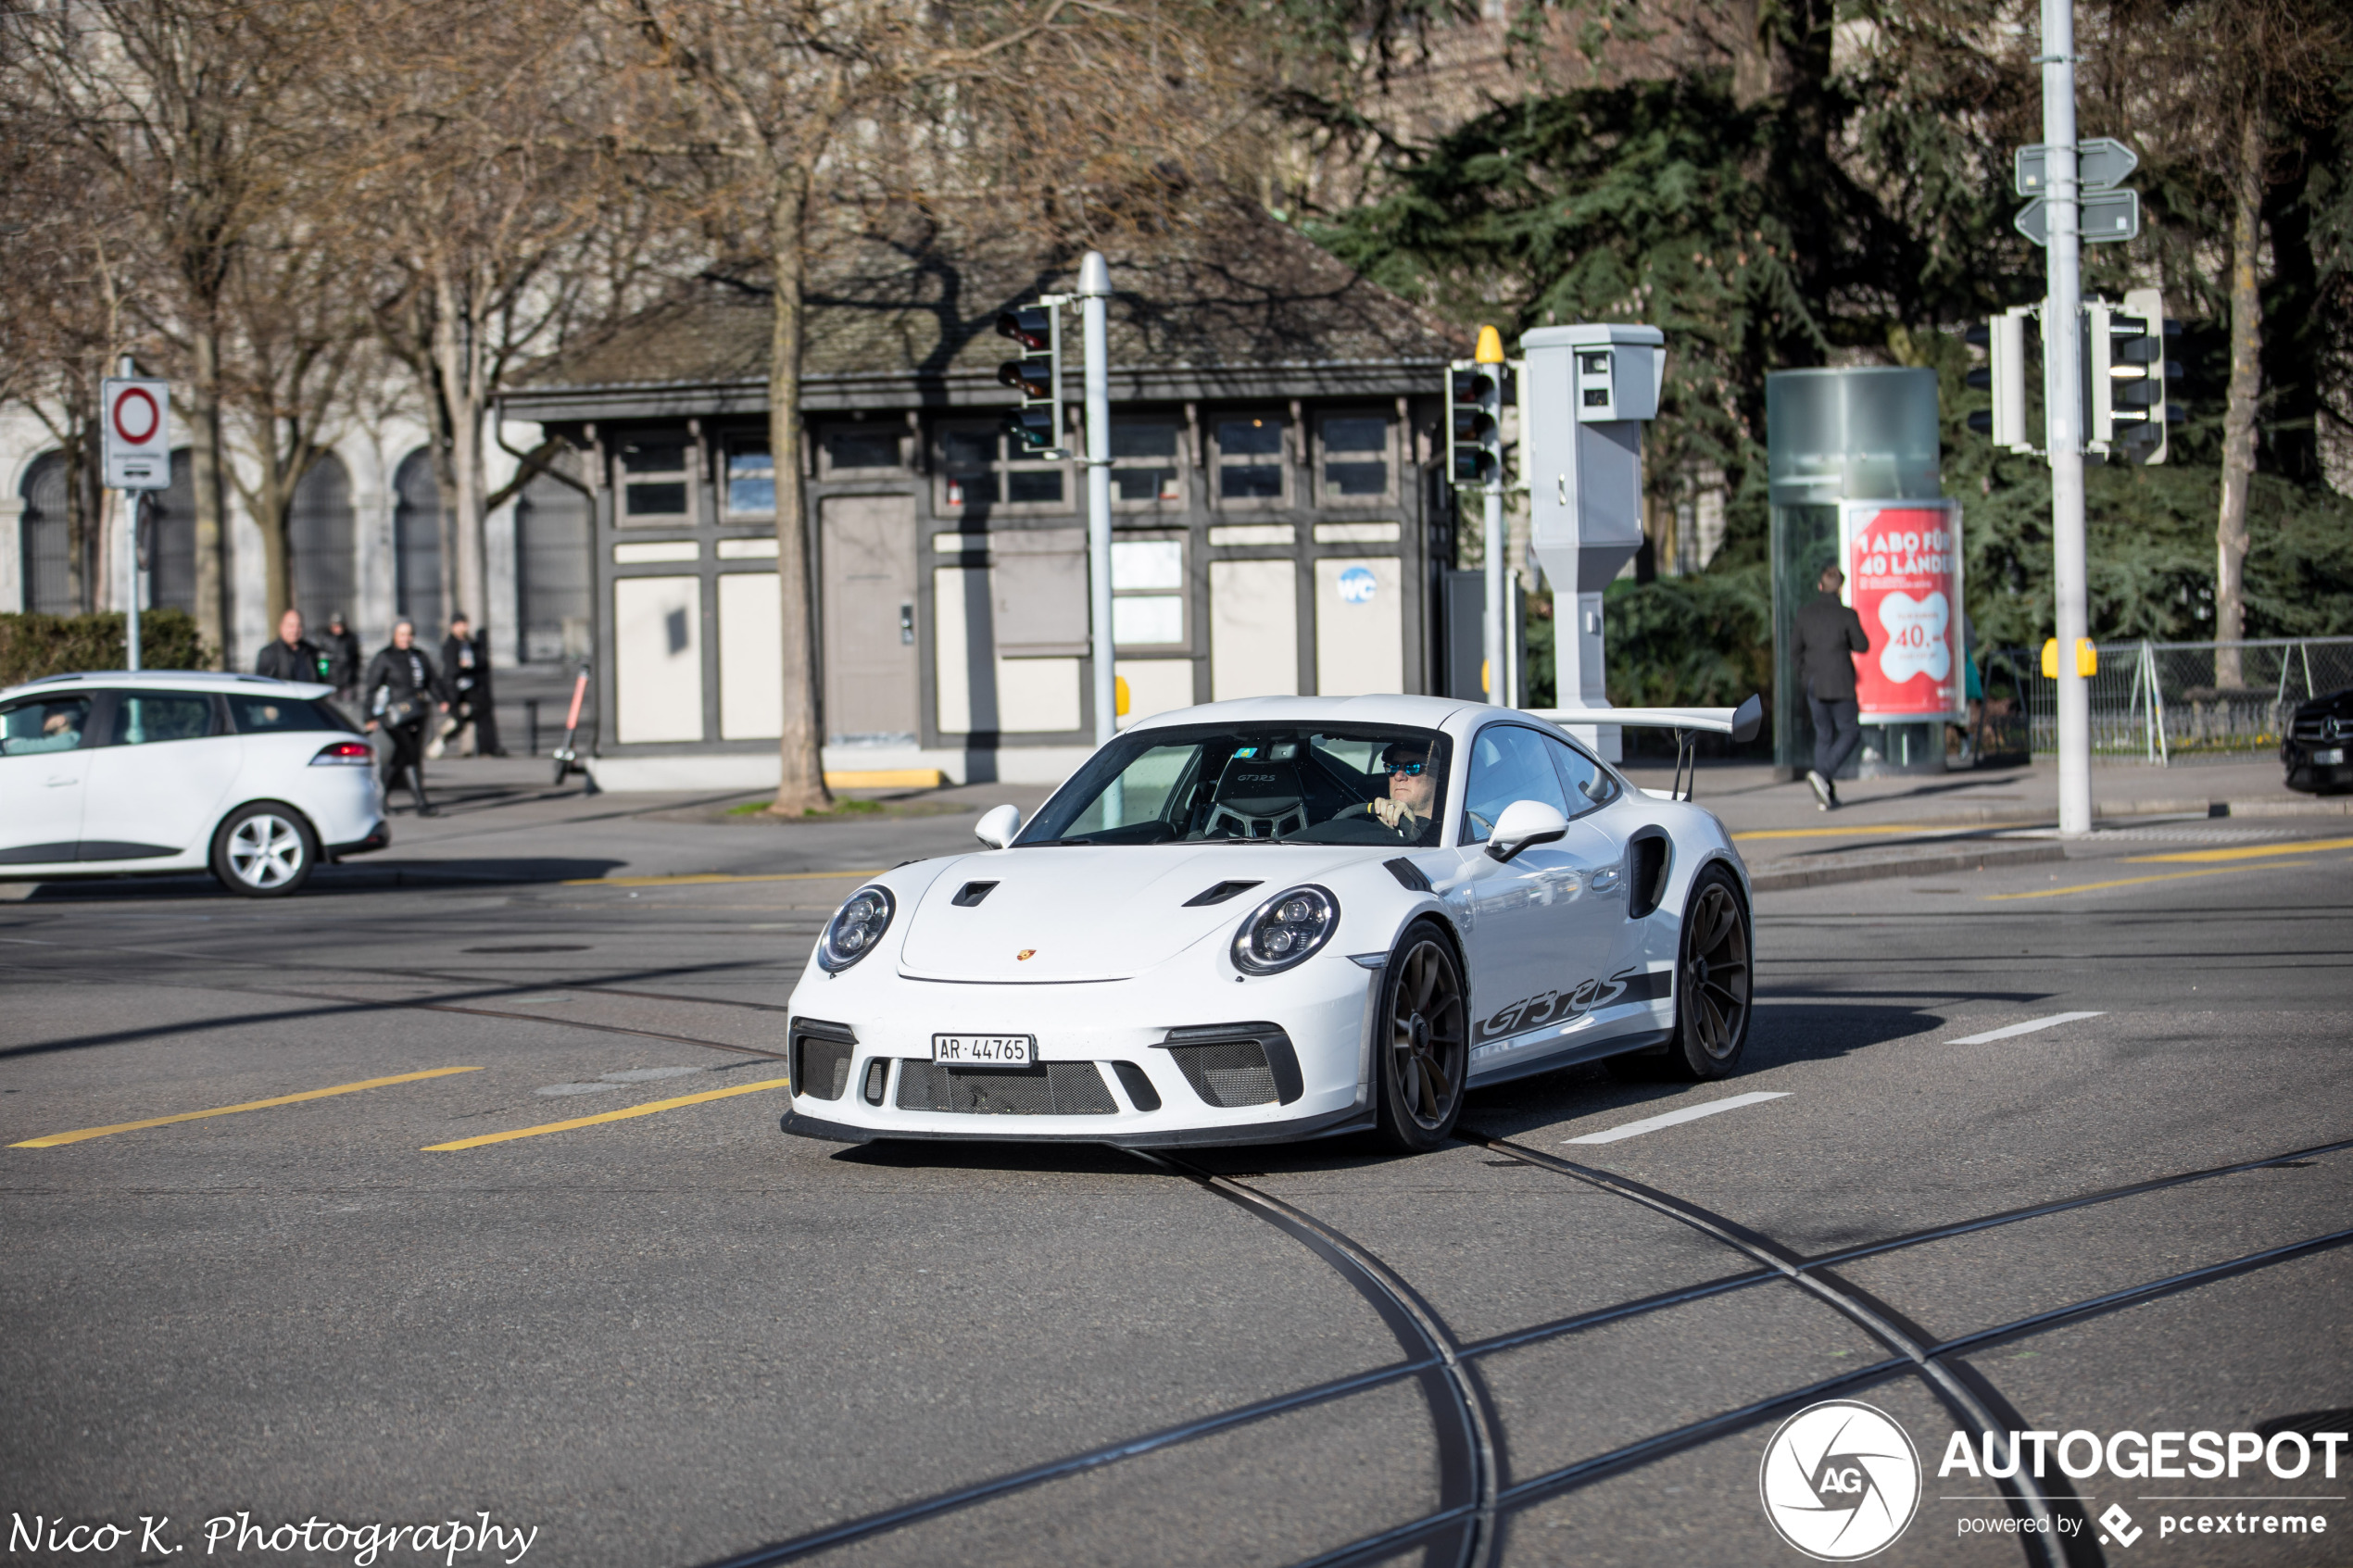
1973	857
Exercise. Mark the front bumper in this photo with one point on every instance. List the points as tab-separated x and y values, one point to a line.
1323	1009
1326	1125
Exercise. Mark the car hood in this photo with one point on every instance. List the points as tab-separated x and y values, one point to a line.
1073	913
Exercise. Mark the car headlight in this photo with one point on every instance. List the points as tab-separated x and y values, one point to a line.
856	927
1285	930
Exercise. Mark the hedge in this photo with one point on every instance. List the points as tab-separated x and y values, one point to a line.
34	645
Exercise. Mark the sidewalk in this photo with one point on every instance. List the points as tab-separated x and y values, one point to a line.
1929	823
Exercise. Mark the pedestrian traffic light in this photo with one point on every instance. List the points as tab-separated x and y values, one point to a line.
1476	390
2003	374
1035	426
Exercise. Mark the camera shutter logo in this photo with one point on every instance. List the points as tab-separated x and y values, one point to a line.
1840	1482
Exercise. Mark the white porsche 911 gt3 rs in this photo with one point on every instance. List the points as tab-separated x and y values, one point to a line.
1281	918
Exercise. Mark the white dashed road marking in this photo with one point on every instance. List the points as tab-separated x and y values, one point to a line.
1689	1113
2028	1027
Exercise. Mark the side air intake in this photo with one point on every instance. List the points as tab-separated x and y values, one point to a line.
820	1056
1232	1065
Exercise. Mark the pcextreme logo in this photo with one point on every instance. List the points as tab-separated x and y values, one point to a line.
1840	1481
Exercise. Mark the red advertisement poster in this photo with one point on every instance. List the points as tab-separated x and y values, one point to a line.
1904	579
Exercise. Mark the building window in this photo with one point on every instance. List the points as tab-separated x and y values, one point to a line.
1355	458
653	477
1148	593
1249	457
1144	468
751	477
977	471
856	449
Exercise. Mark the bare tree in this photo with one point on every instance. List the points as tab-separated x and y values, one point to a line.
801	106
171	101
491	226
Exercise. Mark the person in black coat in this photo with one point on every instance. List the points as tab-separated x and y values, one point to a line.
404	691
292	656
342	650
465	671
1828	635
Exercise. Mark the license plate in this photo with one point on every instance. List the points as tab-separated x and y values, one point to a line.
2329	759
985	1050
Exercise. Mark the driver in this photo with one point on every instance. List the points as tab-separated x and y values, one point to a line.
1413	789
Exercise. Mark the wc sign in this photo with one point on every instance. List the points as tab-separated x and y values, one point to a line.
137	445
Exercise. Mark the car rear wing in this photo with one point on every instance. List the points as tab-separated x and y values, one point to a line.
1741	723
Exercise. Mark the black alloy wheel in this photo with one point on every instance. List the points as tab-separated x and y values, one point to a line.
1424	1042
1712	980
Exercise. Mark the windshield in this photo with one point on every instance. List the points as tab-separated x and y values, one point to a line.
1274	784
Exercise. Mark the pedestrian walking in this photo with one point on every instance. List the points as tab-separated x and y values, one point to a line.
292	656
465	670
1828	638
342	650
404	694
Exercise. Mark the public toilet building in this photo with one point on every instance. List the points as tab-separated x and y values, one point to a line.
1278	512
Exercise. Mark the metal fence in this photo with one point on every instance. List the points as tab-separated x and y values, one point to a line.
2163	703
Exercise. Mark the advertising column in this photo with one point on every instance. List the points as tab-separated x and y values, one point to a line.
1902	561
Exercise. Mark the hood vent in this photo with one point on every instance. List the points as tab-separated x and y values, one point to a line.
1218	893
971	893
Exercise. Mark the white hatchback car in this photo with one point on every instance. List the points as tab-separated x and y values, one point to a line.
172	769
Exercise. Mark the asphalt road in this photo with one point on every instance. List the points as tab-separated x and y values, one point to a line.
679	1337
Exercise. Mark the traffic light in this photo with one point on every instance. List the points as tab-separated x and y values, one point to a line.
2128	372
1035	426
2003	374
1476	390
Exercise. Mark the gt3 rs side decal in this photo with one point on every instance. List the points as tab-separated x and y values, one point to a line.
1533	1022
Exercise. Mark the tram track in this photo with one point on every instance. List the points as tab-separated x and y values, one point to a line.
1457	1399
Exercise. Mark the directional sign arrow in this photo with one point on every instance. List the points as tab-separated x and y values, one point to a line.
2101	164
2107	218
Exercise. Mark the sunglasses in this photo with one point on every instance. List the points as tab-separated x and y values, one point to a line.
1411	770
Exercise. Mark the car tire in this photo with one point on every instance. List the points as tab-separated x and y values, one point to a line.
1421	1048
264	850
1714	980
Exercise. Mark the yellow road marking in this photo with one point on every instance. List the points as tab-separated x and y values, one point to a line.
55	1139
692	877
2122	881
646	1109
2251	851
1886	827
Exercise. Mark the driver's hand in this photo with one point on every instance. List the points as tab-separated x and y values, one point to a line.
1393	813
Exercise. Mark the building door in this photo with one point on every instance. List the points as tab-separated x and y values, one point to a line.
869	553
553	561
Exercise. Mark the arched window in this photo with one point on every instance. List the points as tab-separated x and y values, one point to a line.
552	572
319	531
416	544
171	540
45	540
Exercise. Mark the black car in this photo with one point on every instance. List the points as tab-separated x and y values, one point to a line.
2319	739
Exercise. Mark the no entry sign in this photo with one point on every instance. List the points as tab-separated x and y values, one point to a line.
137	415
1903	578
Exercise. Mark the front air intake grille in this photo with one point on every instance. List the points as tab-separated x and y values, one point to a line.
821	1054
1051	1088
1232	1074
1237	1064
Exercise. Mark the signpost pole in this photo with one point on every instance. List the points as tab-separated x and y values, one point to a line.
2064	412
1094	290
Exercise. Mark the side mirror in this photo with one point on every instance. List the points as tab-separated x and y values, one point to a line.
997	826
1523	824
1747	718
